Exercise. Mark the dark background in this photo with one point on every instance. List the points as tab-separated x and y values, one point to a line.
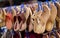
5	3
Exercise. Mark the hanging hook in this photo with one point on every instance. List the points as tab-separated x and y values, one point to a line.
40	6
15	8
8	9
54	1
22	8
48	3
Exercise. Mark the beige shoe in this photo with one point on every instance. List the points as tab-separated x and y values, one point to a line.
32	16
39	22
58	15
51	20
2	18
36	21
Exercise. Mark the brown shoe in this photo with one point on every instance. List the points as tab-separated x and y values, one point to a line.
58	15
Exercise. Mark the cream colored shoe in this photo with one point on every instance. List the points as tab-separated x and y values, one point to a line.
2	18
51	20
39	22
32	16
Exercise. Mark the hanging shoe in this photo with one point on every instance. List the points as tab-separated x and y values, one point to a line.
2	18
22	24
40	21
29	21
13	11
51	20
9	21
16	24
25	16
58	15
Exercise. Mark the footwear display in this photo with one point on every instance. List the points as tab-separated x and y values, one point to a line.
33	19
